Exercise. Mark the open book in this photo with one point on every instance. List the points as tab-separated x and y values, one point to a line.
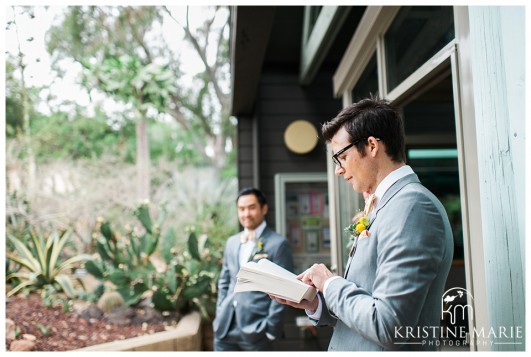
269	278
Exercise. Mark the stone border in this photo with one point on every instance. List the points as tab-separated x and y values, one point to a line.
186	336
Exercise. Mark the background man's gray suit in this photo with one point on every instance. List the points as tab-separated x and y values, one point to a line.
253	312
397	275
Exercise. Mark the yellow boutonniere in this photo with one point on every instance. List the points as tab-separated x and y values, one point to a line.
259	251
359	227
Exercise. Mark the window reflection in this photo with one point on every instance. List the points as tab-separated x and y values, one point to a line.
416	34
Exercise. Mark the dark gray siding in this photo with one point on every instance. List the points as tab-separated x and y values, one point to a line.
280	101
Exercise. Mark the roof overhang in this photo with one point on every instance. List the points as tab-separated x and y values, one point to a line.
251	29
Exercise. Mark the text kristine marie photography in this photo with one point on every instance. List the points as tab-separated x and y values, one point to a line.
457	307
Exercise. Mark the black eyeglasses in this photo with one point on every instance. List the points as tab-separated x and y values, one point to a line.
335	157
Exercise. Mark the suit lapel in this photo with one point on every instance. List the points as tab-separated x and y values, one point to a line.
390	193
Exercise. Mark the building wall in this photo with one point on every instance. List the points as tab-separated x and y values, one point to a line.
498	50
280	101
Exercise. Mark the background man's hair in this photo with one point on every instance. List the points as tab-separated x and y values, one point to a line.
262	200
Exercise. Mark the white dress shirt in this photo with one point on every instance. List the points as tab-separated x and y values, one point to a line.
247	248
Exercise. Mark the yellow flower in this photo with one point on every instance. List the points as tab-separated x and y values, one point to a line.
355	229
360	227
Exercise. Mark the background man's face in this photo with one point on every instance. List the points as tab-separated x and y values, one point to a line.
250	213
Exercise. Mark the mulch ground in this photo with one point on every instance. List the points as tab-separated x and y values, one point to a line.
56	330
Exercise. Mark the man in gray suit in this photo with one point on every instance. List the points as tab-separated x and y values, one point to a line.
249	321
390	295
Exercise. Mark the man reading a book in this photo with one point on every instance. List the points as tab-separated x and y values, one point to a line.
249	321
401	254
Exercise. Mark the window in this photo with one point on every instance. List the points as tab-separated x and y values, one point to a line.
367	85
415	35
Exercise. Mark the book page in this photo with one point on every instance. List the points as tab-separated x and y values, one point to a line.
267	277
266	266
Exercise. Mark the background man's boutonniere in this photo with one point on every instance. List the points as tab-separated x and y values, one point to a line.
259	251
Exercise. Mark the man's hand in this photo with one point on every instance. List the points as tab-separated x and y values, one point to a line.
304	304
316	276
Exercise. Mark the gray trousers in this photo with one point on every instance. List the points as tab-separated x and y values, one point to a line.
234	341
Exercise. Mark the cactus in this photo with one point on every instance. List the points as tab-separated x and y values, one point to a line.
124	256
110	301
188	283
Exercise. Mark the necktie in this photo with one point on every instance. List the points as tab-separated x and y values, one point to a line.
247	235
369	204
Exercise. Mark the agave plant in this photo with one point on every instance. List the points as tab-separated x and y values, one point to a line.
43	263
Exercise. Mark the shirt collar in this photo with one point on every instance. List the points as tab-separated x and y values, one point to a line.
259	230
390	179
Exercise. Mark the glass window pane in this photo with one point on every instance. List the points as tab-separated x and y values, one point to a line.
307	223
367	85
416	34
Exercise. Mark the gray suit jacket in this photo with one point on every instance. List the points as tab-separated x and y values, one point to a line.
396	277
255	312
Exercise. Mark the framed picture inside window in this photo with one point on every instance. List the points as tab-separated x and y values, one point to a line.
301	215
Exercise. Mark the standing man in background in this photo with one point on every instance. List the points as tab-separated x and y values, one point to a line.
249	321
401	256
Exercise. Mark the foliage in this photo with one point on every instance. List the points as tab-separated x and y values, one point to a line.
124	260
189	281
14	122
77	136
186	282
43	262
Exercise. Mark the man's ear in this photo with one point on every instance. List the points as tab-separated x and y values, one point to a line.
265	208
374	146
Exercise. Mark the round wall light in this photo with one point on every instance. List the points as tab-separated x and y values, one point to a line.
300	137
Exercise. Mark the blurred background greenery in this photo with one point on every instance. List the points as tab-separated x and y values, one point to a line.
146	134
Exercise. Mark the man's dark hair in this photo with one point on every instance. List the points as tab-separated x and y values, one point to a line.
262	200
370	117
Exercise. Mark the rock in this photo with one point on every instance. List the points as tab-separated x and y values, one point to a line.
79	306
147	314
91	312
120	316
29	337
22	345
10	329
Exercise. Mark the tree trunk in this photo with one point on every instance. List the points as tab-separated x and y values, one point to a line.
143	161
30	157
220	156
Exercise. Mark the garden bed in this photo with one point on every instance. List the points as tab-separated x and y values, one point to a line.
55	330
